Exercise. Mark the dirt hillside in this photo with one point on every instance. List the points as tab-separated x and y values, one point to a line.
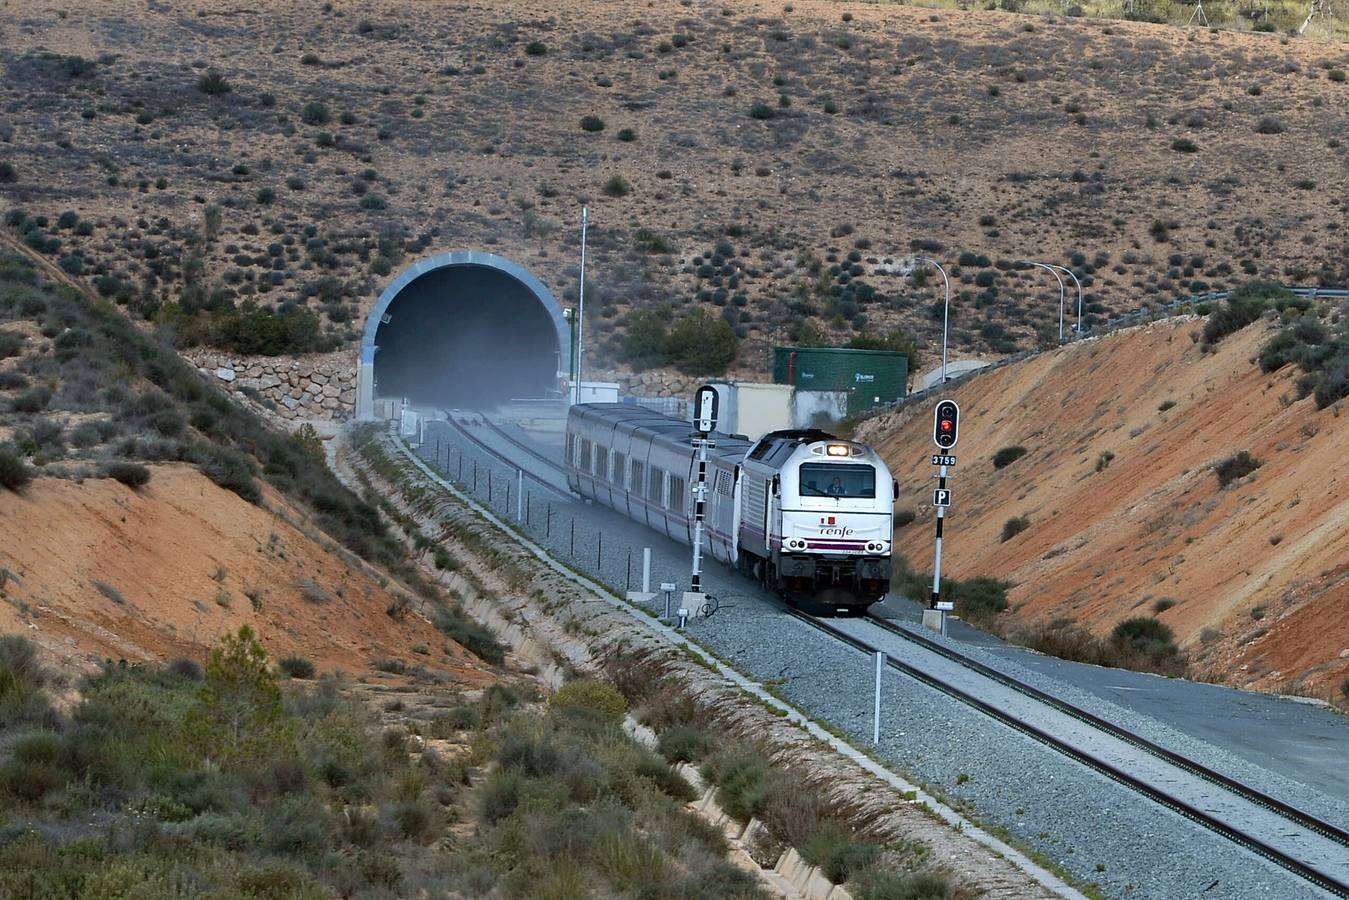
1126	514
769	163
93	570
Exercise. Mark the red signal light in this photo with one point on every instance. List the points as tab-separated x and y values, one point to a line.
945	424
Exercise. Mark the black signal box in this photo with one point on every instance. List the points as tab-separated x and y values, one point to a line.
946	424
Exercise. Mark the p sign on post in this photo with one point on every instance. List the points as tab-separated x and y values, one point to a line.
705	408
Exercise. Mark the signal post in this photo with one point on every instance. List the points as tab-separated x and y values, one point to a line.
945	433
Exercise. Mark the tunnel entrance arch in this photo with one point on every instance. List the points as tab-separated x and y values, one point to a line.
462	329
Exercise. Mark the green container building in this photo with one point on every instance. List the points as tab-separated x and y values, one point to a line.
871	377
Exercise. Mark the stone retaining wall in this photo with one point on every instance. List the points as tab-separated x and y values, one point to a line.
305	387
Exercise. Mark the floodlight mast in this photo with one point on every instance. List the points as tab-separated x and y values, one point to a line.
1051	270
946	310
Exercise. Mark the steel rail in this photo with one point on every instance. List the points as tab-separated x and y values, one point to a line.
1254	795
1103	766
501	457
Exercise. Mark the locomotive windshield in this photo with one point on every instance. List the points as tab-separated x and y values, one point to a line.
824	480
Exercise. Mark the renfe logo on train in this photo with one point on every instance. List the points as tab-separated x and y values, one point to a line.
828	528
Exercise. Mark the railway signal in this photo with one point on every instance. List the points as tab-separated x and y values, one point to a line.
945	433
705	408
946	424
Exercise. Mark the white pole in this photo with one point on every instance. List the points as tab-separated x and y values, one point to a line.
520	496
646	570
699	501
1052	271
1079	296
946	312
876	726
581	307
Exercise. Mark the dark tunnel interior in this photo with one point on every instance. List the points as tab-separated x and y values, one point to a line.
468	337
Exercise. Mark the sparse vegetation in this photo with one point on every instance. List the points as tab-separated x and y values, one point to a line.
1007	455
592	123
1236	466
15	475
1014	526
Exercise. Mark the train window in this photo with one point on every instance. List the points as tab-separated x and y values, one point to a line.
677	491
825	480
620	464
601	464
655	487
635	482
585	456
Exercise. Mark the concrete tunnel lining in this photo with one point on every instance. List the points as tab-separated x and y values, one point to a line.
429	284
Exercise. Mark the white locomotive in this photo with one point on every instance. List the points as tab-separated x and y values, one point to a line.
808	514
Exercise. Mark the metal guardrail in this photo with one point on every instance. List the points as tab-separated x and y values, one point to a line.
1128	318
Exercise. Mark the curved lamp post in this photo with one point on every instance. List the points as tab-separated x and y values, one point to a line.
1079	295
581	308
946	312
1052	271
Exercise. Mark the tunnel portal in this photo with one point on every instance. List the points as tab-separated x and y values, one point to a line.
465	329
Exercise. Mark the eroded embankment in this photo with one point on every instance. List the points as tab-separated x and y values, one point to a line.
1126	516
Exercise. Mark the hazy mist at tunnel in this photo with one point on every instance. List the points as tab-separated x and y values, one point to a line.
466	336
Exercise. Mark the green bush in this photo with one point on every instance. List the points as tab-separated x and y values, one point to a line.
904	517
1238	465
1184	145
905	886
1014	526
592	123
15	475
682	743
23	684
133	475
536	48
1007	455
315	113
596	696
617	186
456	624
1145	637
1246	304
701	344
213	84
296	666
761	110
740	776
8	173
839	857
979	597
11	342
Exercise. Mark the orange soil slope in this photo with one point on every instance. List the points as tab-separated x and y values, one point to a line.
184	556
1258	571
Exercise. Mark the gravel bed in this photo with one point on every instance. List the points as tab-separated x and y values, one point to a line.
1331	808
1099	831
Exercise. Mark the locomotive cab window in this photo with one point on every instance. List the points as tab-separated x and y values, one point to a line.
847	482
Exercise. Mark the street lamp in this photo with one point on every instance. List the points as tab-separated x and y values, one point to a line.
1052	271
1079	295
581	309
946	313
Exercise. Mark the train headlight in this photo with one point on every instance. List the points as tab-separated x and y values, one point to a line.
836	450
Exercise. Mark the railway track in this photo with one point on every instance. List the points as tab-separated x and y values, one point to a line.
457	420
1312	848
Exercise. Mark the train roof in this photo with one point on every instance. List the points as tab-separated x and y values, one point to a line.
665	430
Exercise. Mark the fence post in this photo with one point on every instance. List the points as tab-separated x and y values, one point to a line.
573	536
599	553
548	521
475	477
876	725
627	579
